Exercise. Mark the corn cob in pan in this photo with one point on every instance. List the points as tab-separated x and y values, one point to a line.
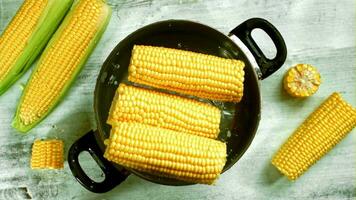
187	72
133	104
26	35
61	61
166	153
321	131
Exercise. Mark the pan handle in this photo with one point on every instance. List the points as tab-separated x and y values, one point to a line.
113	176
267	66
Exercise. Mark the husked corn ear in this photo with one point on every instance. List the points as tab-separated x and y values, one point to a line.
321	131
61	61
302	80
166	153
133	104
26	35
186	72
47	154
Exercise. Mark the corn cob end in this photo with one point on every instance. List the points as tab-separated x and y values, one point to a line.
47	154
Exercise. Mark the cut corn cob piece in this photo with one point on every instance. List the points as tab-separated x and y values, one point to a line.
26	35
321	131
47	154
186	72
61	61
133	104
166	153
302	80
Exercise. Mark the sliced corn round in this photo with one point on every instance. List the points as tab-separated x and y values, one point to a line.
302	80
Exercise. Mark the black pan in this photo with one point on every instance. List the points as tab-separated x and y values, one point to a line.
237	129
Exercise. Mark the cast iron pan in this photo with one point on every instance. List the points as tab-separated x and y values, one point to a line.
237	130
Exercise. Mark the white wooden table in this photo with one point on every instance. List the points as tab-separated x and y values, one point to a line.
319	32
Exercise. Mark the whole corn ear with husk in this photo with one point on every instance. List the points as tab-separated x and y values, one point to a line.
318	134
26	35
47	154
166	153
61	62
189	73
134	104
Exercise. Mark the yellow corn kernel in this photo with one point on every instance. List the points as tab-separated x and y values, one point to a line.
61	61
321	131
186	72
166	153
133	104
302	80
47	154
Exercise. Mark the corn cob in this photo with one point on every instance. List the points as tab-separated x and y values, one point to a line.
133	104
47	154
166	153
61	61
302	80
26	35
187	72
321	131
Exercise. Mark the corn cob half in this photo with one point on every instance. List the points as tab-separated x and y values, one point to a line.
188	72
47	154
61	61
133	104
166	153
321	131
26	35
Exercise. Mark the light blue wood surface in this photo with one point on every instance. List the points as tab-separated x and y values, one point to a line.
318	32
